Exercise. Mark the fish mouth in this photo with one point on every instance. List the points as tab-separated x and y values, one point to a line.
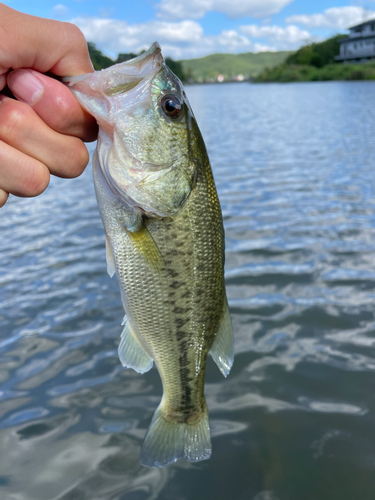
119	78
127	75
151	54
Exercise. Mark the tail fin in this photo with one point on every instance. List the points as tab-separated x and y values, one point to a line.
166	441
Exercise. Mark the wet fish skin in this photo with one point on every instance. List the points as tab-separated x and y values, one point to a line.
165	240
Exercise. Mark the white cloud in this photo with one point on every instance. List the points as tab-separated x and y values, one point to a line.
60	10
114	36
234	9
339	18
228	42
186	39
179	40
288	37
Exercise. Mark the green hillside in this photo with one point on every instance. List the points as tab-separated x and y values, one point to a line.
206	68
316	62
247	64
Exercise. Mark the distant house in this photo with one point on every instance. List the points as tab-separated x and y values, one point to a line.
359	45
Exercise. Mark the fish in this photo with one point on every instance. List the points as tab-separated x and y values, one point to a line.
164	240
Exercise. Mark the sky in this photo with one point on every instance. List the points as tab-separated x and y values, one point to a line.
195	28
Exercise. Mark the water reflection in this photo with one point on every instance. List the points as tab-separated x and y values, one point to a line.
93	463
294	171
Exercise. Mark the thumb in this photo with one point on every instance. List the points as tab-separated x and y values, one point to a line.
53	102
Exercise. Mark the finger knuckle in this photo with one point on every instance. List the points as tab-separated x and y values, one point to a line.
76	160
77	38
81	159
13	117
21	174
37	181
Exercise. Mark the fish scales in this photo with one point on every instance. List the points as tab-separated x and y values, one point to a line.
165	241
184	303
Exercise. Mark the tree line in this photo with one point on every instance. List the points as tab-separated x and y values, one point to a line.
316	62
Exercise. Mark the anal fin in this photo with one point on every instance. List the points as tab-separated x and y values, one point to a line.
131	352
222	350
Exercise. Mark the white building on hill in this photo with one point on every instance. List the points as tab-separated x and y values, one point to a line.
359	45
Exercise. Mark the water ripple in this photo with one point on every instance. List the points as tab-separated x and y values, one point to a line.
294	170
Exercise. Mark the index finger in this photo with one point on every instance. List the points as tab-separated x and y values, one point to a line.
54	103
42	44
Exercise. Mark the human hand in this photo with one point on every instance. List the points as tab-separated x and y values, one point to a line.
42	132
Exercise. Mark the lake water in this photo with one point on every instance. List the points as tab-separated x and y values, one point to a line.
295	420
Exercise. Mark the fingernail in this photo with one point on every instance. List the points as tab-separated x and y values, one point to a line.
25	86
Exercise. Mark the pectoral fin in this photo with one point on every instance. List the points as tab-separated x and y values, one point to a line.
222	350
110	262
131	352
145	245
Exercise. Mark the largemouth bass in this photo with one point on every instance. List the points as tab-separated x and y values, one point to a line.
165	241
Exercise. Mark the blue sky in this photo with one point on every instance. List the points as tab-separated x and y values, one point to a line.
195	28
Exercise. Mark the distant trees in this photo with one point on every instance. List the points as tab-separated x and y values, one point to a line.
317	54
176	67
316	62
125	57
100	61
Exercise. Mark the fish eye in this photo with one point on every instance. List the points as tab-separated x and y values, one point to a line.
171	106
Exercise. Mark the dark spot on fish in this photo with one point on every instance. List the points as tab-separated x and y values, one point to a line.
185	379
180	322
172	273
183	342
180	335
199	292
181	310
185	295
179	243
177	284
174	252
